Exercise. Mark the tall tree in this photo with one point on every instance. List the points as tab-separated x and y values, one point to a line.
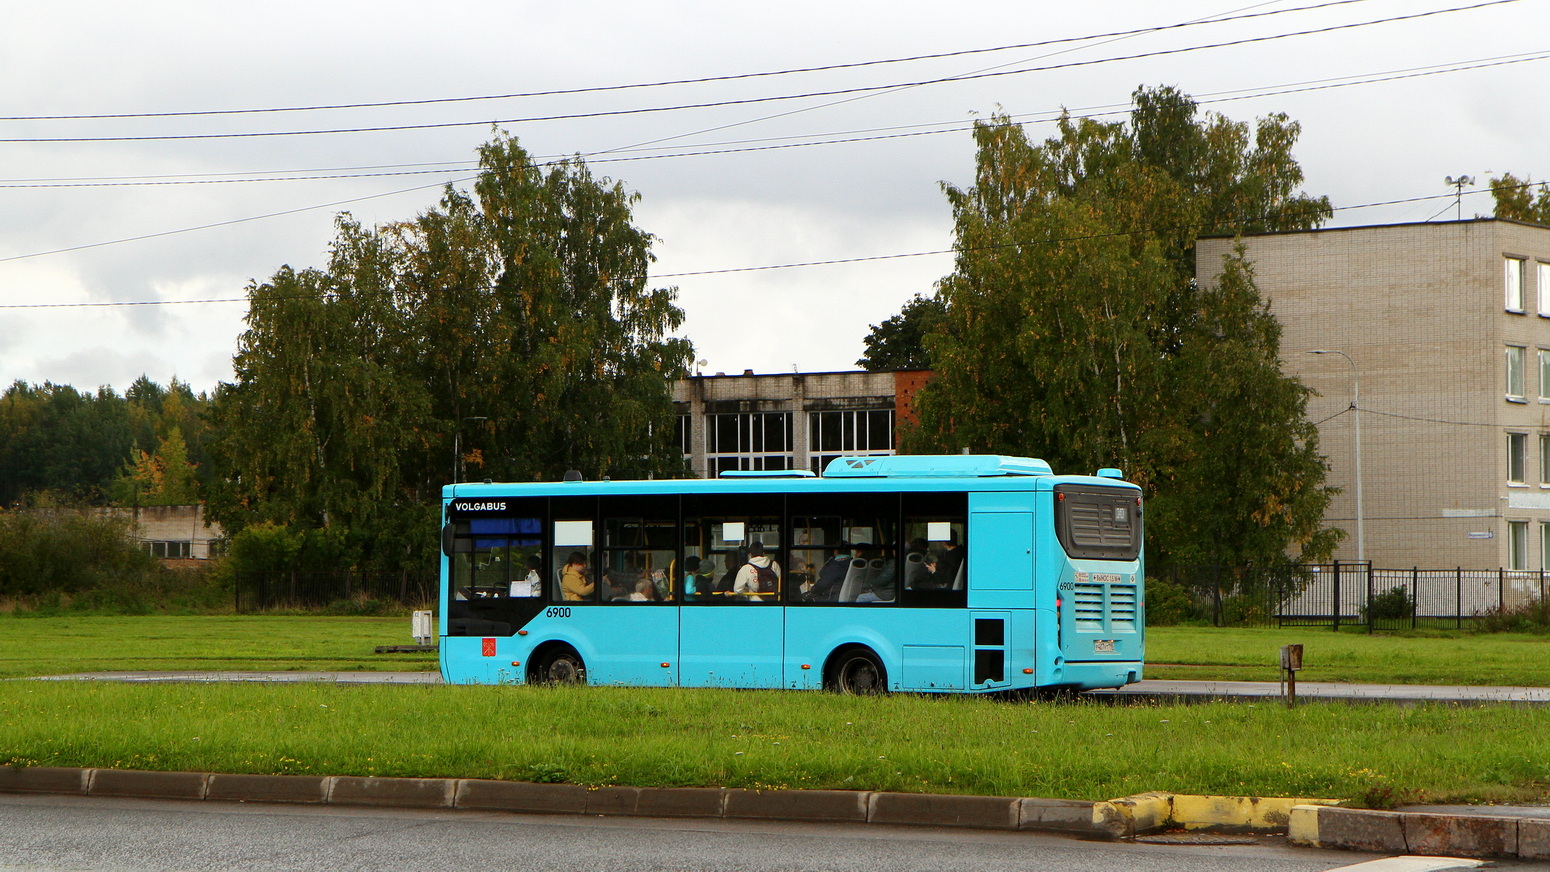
512	325
1521	199
1075	329
899	342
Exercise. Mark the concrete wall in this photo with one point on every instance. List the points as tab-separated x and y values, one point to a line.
1420	310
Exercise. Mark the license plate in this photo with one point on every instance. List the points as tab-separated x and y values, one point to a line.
1103	646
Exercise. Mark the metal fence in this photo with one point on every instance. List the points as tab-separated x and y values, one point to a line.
261	591
1346	594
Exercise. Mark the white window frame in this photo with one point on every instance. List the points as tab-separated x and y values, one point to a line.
1544	460
1516	362
1542	287
1544	375
1544	545
1517	544
1517	458
1512	283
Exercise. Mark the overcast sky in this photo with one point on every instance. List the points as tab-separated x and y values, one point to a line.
786	181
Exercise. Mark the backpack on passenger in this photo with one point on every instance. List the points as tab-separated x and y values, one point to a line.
766	577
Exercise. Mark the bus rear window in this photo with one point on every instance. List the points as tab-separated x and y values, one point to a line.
1098	523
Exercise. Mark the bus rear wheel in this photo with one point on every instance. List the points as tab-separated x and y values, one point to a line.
562	666
858	671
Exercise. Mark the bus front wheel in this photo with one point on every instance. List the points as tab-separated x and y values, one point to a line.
562	666
858	671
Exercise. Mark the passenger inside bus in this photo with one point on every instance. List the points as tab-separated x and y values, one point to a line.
832	575
944	571
881	577
574	582
760	575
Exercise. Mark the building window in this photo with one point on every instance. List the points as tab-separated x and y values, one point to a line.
1517	447
168	550
1514	284
852	433
1543	287
747	440
1517	544
686	428
1544	545
1515	372
1544	376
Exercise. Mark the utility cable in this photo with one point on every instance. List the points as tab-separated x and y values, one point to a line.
674	82
741	101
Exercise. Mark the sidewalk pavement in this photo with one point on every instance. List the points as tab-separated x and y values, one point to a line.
1152	690
1142	691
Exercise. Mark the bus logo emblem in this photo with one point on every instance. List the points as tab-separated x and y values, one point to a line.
487	647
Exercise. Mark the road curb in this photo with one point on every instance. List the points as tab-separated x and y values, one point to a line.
1445	835
1315	823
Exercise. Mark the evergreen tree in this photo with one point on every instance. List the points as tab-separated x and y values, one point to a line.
899	342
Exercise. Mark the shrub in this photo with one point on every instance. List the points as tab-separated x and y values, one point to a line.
1391	605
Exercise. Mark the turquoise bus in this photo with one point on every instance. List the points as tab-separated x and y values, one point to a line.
958	573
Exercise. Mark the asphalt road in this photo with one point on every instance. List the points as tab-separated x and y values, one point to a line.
91	833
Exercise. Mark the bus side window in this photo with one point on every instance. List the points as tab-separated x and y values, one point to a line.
575	574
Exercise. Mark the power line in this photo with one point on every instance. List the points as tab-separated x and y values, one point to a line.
714	104
838	138
691	273
675	82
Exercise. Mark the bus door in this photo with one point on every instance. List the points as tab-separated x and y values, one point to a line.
731	629
633	625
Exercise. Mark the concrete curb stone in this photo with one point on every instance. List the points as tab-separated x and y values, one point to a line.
146	783
521	796
1058	815
680	802
983	812
1533	840
825	806
1359	829
1457	835
612	800
43	779
395	792
267	788
1438	834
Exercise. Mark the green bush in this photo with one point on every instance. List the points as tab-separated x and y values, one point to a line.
1391	605
1168	603
1532	617
62	552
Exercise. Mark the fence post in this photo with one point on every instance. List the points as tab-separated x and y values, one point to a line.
1501	590
1415	594
1458	595
1336	608
1370	615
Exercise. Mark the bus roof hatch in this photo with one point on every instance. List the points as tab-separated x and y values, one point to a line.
934	466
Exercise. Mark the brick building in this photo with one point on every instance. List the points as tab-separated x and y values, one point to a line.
798	420
1447	327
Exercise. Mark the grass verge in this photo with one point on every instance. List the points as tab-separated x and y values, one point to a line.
1412	657
1377	755
62	645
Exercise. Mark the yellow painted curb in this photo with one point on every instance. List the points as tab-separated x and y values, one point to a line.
1151	812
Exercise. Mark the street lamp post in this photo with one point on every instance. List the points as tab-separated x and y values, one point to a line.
457	447
1356	399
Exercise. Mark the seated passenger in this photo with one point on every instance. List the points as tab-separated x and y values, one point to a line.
645	592
699	579
832	574
574	583
944	572
735	563
880	585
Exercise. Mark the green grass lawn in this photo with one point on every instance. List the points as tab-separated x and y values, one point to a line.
60	645
1416	657
673	737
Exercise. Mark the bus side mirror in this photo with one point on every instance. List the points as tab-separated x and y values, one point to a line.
452	543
